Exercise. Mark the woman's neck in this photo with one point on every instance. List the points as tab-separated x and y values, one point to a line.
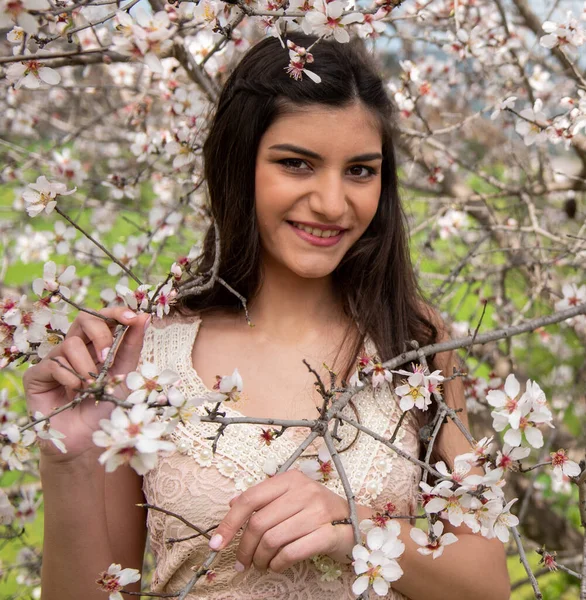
293	308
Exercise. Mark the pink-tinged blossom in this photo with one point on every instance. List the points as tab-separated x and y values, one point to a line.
480	454
533	124
298	58
26	327
454	502
527	427
320	469
460	473
376	566
115	578
372	25
572	296
568	35
507	403
131	437
6	509
137	299
452	223
228	388
504	521
145	38
52	283
46	432
562	465
17	11
30	74
379	532
508	459
41	196
415	390
165	299
149	382
26	511
15	450
482	514
326	20
505	104
379	374
432	544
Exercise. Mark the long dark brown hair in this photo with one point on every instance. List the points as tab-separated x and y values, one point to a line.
375	279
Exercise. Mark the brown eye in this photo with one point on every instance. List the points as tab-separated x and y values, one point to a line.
294	164
361	171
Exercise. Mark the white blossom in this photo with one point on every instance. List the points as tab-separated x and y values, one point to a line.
149	382
376	565
115	579
41	196
562	465
131	437
46	432
52	283
435	544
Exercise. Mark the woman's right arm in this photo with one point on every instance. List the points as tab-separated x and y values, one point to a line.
91	520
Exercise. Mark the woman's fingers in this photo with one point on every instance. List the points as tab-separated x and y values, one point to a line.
246	504
76	352
99	333
323	540
267	530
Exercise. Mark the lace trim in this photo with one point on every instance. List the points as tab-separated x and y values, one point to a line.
241	454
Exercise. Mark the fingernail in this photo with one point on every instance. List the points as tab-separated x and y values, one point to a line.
147	323
105	353
216	541
239	566
128	314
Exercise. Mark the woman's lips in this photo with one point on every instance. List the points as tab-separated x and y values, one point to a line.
314	239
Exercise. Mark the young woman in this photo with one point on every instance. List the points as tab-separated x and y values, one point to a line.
303	189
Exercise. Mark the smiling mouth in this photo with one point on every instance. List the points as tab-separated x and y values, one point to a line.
323	233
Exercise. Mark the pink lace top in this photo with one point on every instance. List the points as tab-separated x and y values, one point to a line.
198	485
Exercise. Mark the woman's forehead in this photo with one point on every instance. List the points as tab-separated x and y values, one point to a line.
327	127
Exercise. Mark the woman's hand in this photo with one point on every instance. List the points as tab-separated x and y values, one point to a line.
49	386
289	520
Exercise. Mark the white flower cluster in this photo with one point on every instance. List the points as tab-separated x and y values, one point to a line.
484	512
522	413
418	388
132	437
376	564
135	436
568	35
30	329
145	35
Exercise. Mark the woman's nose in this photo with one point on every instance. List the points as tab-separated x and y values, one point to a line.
329	197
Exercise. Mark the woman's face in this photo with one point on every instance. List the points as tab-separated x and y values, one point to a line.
318	184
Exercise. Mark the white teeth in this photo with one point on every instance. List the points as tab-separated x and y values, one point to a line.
317	232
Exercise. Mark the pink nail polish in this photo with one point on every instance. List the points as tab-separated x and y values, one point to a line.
238	566
216	541
105	353
128	314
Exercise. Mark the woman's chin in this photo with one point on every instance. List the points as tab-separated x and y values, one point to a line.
314	271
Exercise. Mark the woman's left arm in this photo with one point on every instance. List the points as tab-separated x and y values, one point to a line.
474	566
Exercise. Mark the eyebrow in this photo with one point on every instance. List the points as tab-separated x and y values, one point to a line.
304	152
